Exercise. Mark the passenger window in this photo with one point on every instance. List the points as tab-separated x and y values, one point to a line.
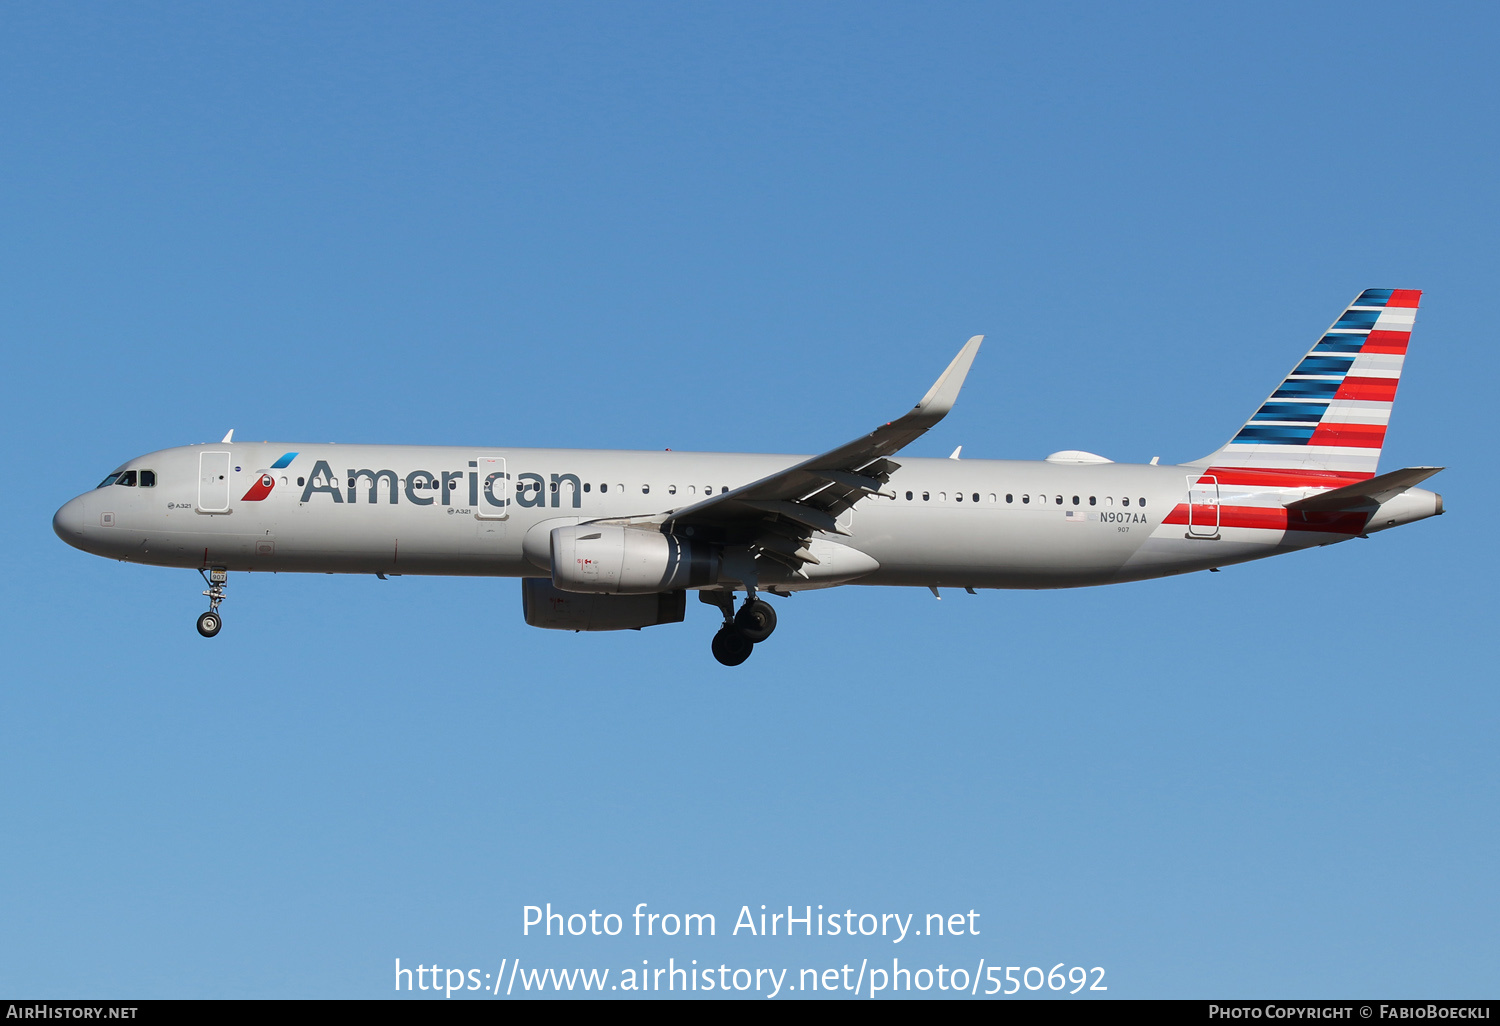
692	489
1059	500
724	490
908	496
1093	500
942	496
958	496
588	487
301	481
127	479
976	497
645	489
604	487
148	480
925	496
1143	502
671	489
1075	500
1109	500
1125	501
1010	497
1026	498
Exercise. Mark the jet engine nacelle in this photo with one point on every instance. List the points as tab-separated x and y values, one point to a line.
563	611
600	559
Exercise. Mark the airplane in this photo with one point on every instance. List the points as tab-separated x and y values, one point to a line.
614	540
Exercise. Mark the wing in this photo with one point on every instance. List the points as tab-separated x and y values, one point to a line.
777	515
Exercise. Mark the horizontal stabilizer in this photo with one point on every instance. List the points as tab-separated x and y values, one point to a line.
1366	493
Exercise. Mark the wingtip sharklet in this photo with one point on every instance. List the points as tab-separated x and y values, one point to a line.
944	392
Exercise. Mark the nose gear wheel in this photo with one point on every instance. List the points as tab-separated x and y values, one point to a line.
217	578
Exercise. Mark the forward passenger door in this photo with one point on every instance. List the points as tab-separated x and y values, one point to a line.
213	482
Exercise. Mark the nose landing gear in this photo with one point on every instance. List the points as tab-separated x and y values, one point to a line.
210	622
742	630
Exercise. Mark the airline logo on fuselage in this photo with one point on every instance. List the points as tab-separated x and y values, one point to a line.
446	487
263	484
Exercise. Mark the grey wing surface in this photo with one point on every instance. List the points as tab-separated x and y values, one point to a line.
777	515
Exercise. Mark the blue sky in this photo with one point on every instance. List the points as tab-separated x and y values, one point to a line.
743	228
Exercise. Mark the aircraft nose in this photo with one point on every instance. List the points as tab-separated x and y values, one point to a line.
69	521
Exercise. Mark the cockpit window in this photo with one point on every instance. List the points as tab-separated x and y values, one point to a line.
126	478
109	480
148	479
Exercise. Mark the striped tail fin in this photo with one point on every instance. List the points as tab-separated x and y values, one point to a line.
1327	420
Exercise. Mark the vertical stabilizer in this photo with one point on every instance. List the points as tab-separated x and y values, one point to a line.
1328	418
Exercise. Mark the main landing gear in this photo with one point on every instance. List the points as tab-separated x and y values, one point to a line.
210	622
742	630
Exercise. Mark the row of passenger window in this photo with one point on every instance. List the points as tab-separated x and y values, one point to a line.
588	486
646	489
1109	500
422	484
128	478
147	479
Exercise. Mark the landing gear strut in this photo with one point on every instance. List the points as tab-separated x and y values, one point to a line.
210	622
742	630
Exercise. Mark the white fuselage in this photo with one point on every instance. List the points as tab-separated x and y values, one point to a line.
488	511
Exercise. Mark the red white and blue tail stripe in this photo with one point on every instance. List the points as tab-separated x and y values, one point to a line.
1327	420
